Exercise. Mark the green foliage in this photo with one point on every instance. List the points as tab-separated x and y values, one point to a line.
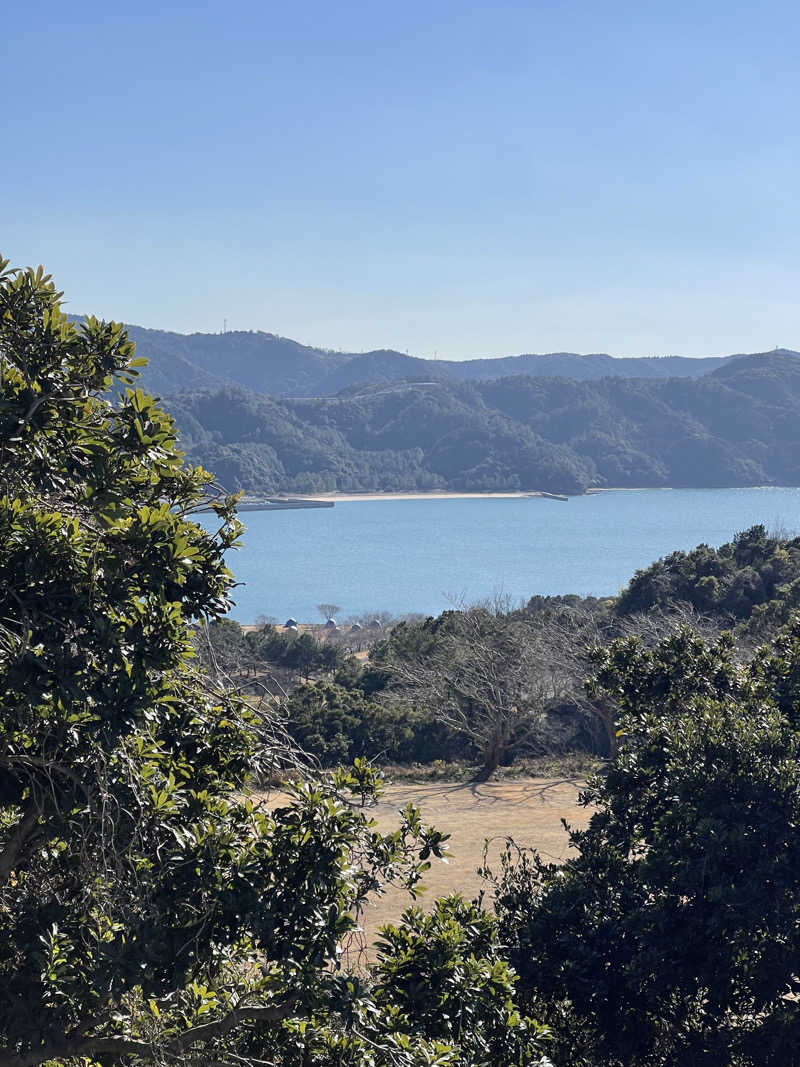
335	725
671	937
411	641
225	645
753	581
407	440
150	911
443	974
300	652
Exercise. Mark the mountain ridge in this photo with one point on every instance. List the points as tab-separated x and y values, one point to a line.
279	366
736	426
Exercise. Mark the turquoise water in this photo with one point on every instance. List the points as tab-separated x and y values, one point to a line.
425	555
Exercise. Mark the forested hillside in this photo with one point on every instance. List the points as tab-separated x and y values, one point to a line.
739	425
268	363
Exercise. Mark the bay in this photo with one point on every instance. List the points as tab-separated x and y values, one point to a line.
424	556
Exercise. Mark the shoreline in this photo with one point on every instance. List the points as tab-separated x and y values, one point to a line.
433	494
521	494
638	489
328	500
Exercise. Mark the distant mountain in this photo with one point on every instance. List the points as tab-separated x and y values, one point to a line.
267	363
738	425
261	362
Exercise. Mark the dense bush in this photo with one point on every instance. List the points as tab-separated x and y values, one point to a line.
224	644
336	725
753	580
444	973
669	938
296	651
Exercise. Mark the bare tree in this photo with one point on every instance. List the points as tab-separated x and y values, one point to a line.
491	679
498	679
328	611
573	632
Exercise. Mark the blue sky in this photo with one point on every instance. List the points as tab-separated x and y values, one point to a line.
467	179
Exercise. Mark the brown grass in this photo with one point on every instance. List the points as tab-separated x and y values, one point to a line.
528	809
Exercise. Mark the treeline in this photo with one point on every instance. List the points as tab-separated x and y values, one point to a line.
225	647
751	584
737	426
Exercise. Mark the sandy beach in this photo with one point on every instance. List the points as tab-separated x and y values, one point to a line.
433	494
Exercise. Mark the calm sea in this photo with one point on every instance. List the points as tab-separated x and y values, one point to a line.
427	555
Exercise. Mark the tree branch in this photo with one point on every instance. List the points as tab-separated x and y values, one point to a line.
274	1013
119	1047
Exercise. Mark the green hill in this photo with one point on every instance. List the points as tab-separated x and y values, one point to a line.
739	425
268	363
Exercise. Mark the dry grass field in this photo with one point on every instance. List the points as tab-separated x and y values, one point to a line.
528	809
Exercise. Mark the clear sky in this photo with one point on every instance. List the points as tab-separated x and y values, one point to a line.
470	179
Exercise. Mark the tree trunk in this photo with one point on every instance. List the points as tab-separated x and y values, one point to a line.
491	760
606	716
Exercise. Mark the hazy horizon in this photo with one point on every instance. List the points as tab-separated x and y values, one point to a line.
456	179
456	359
